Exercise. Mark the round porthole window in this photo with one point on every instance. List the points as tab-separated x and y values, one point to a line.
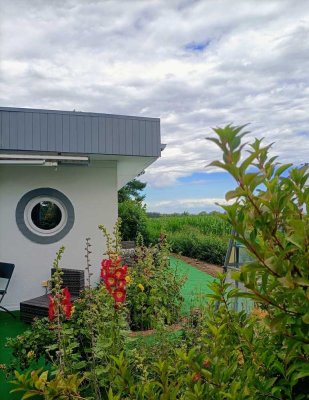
44	215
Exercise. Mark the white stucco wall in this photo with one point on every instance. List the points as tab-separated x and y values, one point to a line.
93	193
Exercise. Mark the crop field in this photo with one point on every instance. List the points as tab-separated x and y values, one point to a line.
204	237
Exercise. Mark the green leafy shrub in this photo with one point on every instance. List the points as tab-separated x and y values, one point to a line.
94	334
28	347
40	384
195	245
154	294
82	350
204	237
134	220
224	354
270	218
77	350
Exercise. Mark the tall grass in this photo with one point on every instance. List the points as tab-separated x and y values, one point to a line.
204	237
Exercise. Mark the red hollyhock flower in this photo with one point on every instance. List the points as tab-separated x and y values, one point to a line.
118	260
51	307
103	273
66	296
66	303
67	309
122	283
110	280
106	264
120	273
119	295
125	268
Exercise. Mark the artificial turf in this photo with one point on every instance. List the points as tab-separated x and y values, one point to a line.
193	291
196	286
9	327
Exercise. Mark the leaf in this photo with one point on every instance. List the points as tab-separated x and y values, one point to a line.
287	281
217	163
301	374
234	193
247	162
297	240
279	321
28	395
305	318
279	367
212	329
282	168
17	389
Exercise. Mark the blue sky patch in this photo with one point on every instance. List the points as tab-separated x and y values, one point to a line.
196	185
197	46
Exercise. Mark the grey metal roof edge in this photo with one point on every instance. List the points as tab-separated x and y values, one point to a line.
55	152
82	113
78	132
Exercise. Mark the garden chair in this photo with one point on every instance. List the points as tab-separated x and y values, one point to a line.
6	271
73	279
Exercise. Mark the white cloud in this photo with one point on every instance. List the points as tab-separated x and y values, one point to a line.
194	205
133	57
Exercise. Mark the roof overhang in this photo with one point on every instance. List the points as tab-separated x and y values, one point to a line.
80	133
64	138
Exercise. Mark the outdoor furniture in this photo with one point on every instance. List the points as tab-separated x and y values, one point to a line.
6	271
73	279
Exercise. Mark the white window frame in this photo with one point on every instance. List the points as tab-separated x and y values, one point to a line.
44	232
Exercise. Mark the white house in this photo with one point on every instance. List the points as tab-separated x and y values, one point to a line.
59	176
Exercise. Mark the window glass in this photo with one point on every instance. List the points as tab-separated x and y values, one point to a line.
46	215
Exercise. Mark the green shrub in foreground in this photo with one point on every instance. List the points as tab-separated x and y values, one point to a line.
154	295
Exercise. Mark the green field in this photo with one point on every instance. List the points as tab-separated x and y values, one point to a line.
204	237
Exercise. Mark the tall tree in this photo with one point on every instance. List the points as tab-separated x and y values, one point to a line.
131	210
132	191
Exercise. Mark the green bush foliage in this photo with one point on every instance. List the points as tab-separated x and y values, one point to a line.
134	220
195	245
154	296
221	354
270	218
204	237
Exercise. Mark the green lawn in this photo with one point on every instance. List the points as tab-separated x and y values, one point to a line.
9	327
196	287
194	291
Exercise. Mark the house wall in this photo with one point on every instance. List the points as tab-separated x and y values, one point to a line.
93	193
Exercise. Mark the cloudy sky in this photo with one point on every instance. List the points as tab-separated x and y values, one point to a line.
194	64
